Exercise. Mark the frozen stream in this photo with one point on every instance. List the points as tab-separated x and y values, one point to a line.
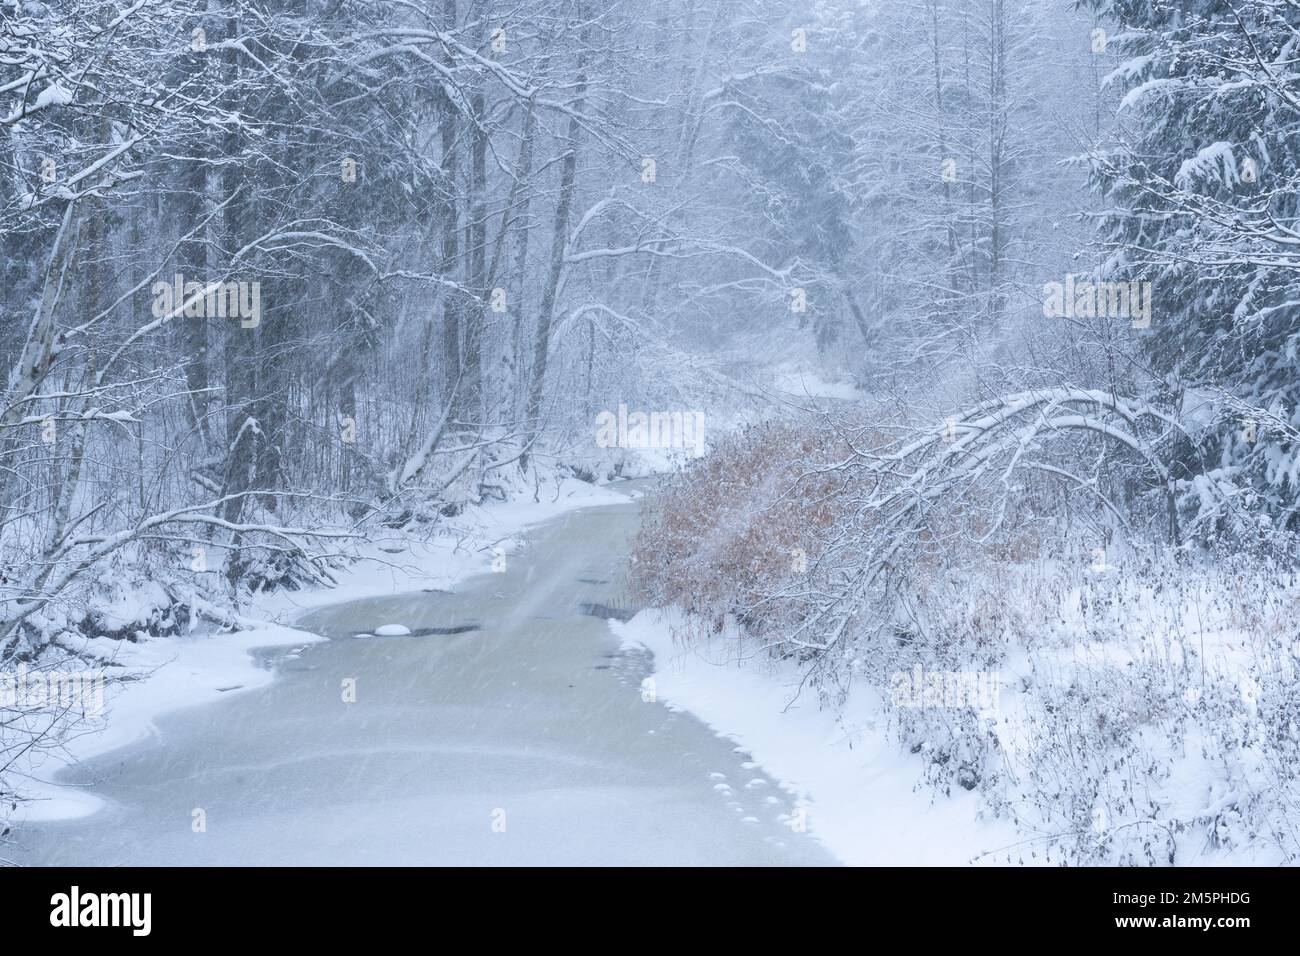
525	741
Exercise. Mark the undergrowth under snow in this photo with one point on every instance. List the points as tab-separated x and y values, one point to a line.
1143	716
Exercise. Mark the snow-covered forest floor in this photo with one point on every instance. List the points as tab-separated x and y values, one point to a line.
960	337
1133	723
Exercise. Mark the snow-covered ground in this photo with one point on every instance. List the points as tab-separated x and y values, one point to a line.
808	382
858	789
1183	682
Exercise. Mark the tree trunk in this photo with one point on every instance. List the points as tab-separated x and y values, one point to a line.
559	244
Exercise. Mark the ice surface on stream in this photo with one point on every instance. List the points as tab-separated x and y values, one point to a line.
522	739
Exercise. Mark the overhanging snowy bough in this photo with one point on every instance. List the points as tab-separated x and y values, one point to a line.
926	491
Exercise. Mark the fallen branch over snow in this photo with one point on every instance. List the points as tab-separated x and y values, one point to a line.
72	555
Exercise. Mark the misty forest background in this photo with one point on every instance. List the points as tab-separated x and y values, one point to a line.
475	225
